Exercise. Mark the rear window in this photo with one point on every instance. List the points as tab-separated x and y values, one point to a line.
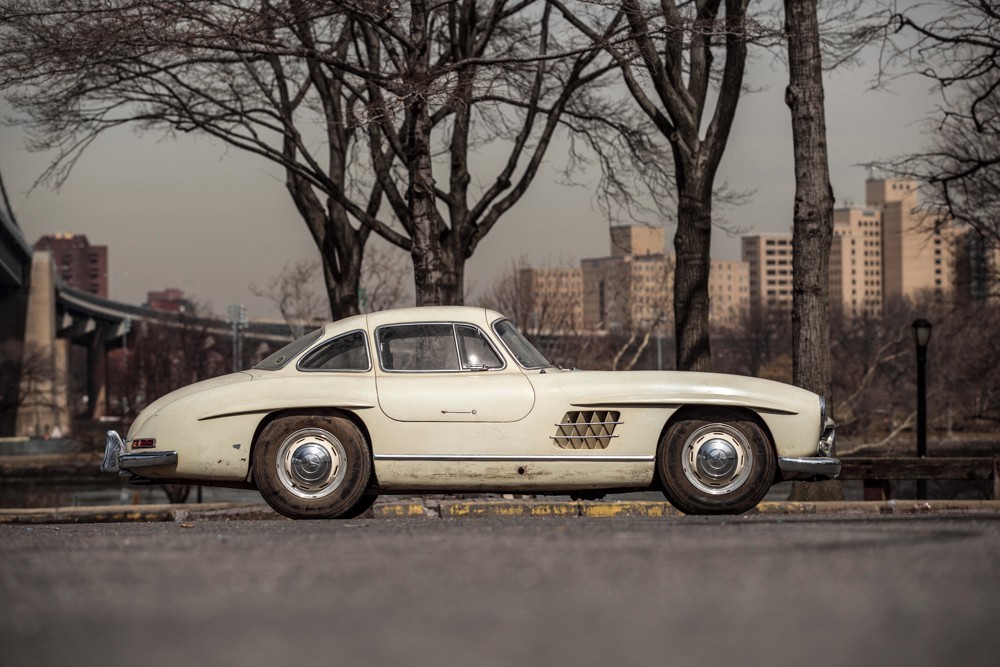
281	358
344	353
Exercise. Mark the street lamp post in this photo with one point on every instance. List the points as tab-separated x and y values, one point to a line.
126	329
238	320
921	337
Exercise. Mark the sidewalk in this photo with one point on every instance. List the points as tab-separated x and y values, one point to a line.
457	509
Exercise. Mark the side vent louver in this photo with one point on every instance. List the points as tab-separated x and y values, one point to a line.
588	429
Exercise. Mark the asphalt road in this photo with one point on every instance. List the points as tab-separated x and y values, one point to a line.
687	591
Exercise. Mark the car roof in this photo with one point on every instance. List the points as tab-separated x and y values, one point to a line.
473	314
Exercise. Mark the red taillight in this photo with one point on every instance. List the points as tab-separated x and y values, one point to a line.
144	443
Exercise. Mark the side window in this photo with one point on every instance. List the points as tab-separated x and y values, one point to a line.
344	353
476	351
418	347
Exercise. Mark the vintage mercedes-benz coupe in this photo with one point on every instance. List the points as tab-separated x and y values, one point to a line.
454	399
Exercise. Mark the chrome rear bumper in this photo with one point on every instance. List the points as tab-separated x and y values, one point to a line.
809	468
117	459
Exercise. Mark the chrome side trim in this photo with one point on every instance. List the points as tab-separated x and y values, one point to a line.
809	467
589	424
147	459
590	458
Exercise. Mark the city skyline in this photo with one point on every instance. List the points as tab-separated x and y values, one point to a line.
190	214
885	251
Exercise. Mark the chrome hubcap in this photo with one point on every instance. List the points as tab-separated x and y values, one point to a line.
311	463
717	459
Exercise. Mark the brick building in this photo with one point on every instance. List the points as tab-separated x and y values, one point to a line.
78	263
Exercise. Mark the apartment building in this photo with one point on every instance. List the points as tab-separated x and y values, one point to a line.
769	263
634	287
856	262
78	263
977	267
888	249
637	241
728	292
627	291
918	250
553	297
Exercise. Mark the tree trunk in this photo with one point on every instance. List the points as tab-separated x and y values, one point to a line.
341	247
433	276
343	281
692	243
813	225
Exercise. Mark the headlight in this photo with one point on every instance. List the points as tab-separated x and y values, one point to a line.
827	430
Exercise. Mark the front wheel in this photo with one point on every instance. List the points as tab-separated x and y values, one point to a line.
312	467
715	461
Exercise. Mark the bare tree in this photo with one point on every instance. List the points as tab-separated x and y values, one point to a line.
292	293
384	276
813	218
27	379
758	338
351	99
669	65
167	355
956	45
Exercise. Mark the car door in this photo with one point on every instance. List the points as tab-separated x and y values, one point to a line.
447	372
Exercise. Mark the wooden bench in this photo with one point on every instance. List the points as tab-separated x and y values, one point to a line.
877	472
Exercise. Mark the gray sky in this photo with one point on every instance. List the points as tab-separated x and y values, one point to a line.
192	214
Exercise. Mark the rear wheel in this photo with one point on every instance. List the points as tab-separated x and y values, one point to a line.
315	467
715	461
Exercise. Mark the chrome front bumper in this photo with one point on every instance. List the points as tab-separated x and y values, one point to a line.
814	468
808	468
117	459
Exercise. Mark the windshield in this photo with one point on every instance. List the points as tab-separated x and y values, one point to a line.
523	351
287	353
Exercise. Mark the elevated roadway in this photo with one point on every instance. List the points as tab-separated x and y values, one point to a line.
45	317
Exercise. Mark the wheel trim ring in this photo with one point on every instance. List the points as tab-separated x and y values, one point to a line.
301	460
711	438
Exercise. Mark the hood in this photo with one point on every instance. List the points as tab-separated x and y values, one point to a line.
607	388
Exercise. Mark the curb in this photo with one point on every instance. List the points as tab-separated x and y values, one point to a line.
463	509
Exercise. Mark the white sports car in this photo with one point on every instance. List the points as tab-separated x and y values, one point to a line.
454	399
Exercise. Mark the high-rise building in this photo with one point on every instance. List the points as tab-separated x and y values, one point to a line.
729	292
977	267
552	299
856	262
637	241
769	262
918	245
79	264
627	292
634	287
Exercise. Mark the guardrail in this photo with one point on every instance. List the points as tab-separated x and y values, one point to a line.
877	472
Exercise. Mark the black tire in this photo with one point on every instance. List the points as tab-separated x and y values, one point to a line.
312	467
715	461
